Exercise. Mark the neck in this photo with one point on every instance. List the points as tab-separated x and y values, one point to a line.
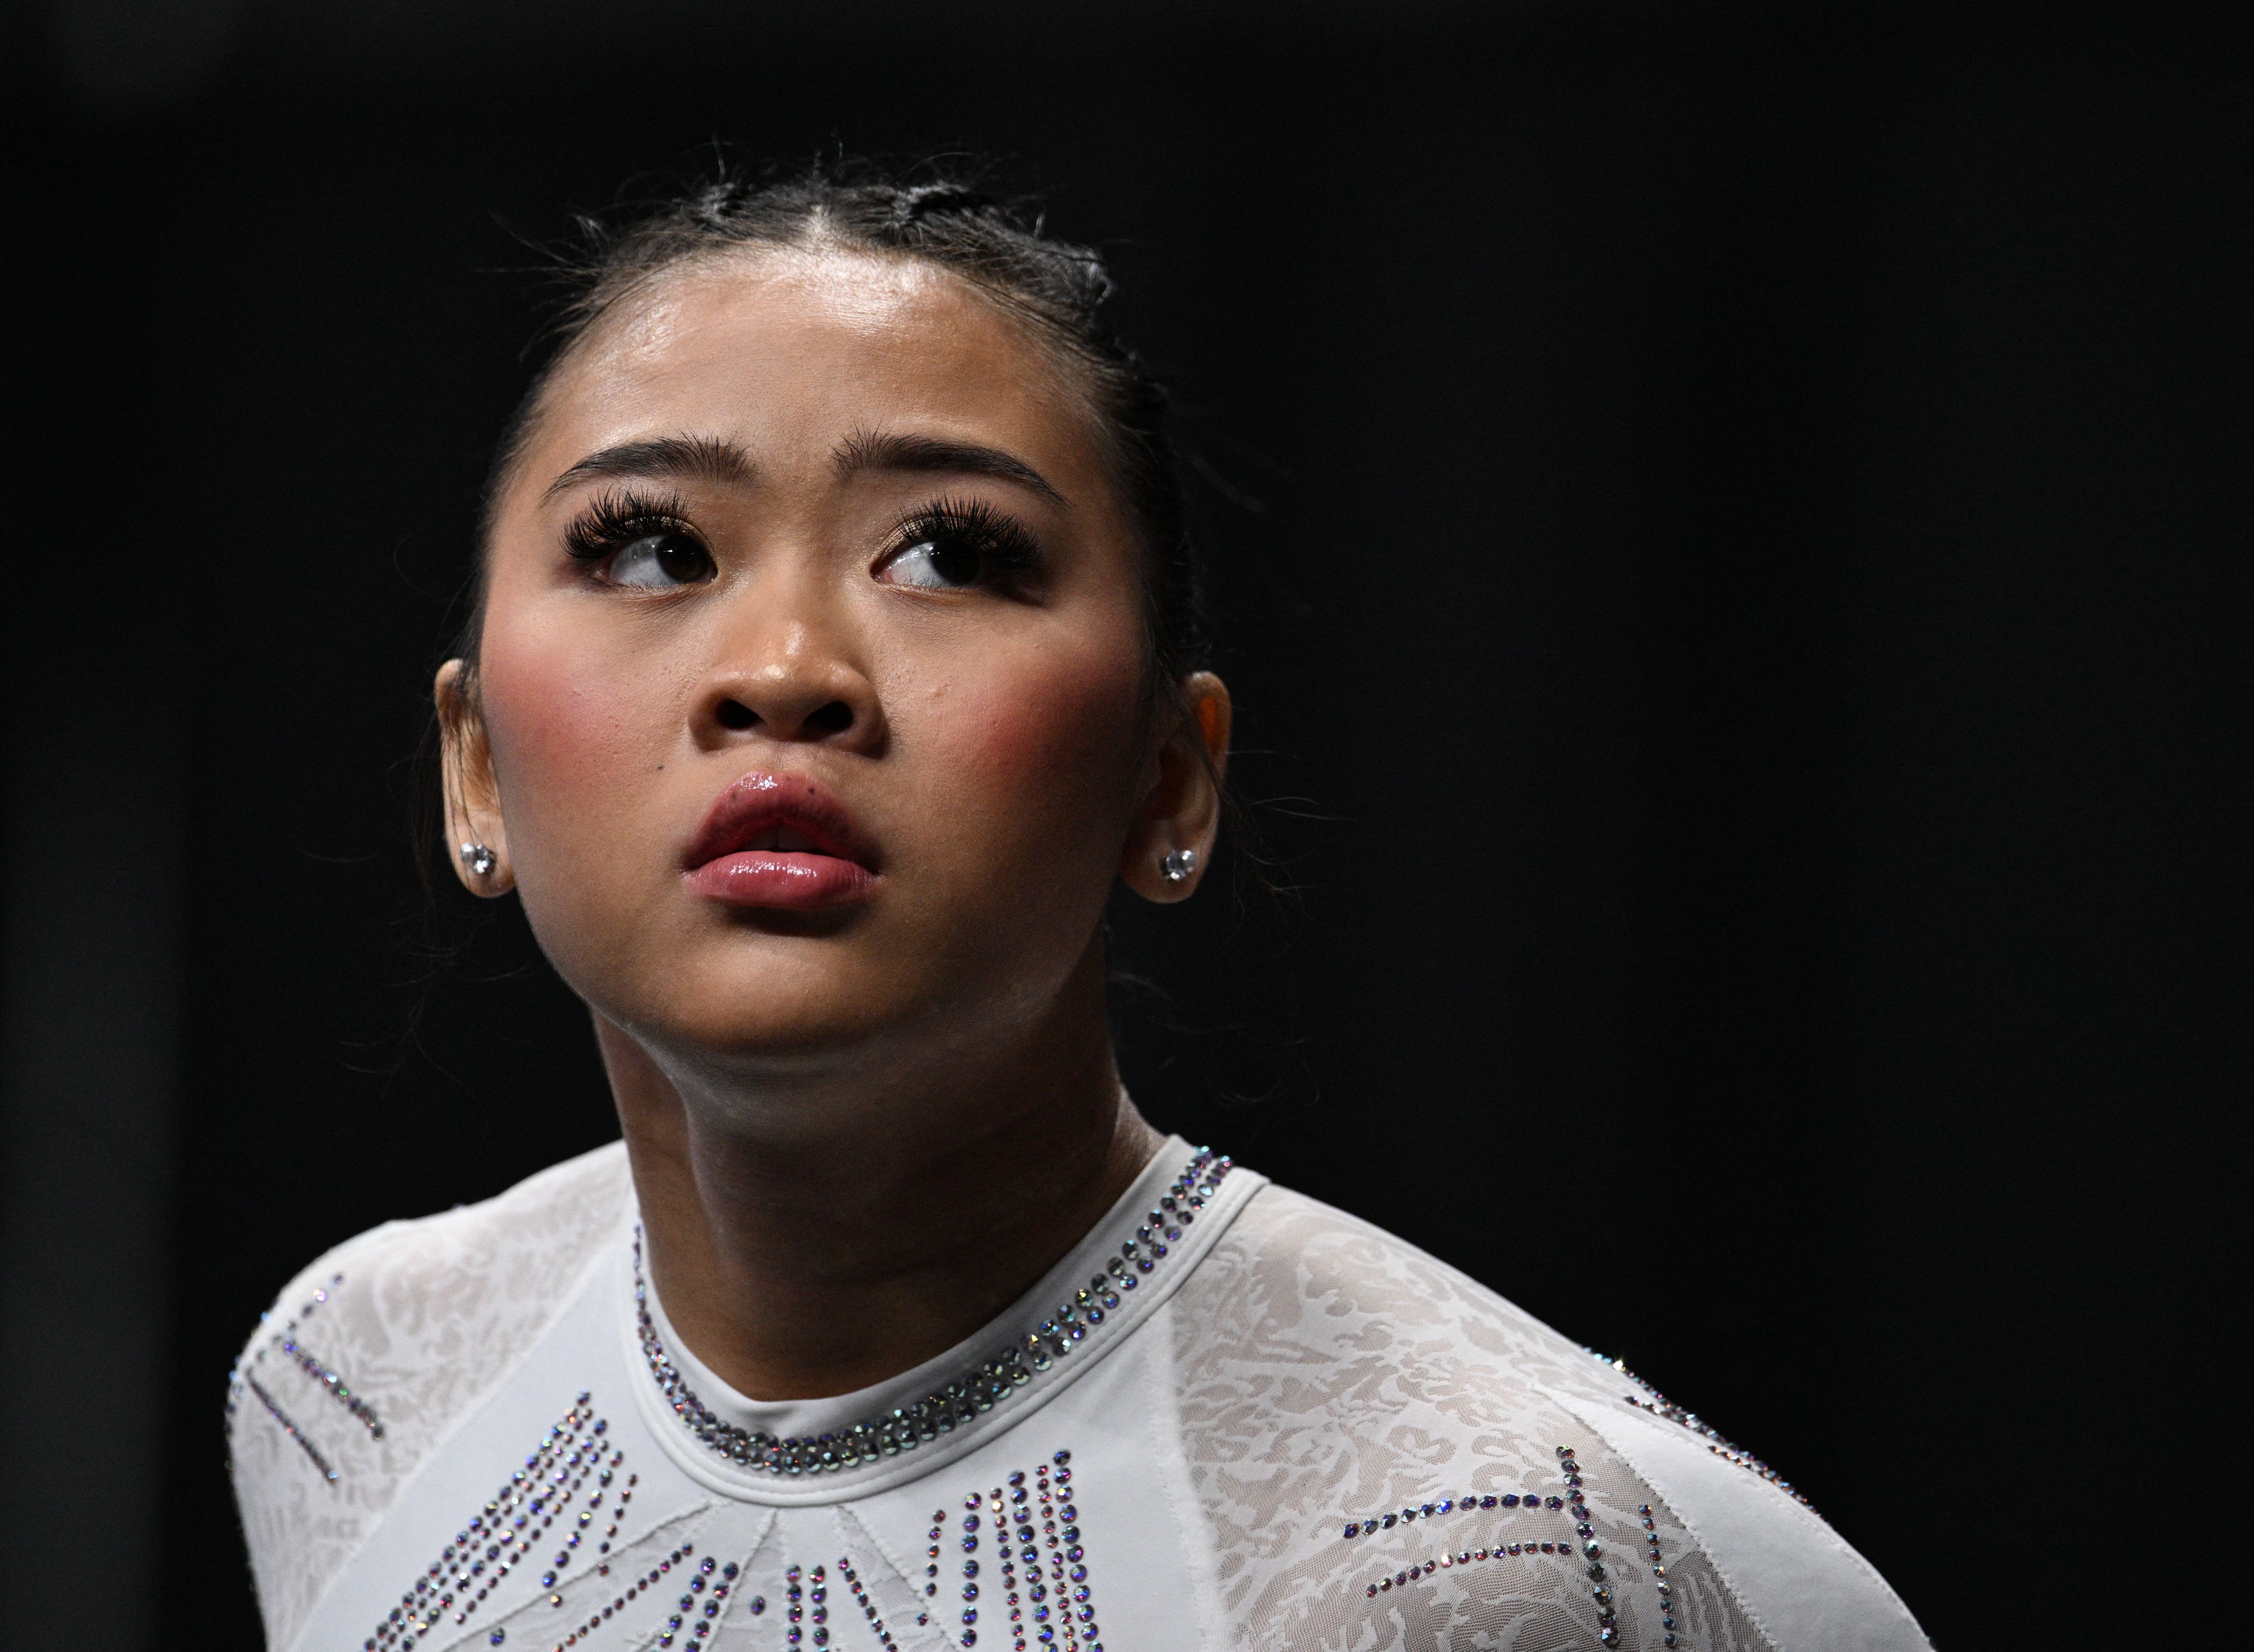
801	1260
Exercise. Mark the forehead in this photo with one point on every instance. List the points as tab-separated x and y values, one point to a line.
783	347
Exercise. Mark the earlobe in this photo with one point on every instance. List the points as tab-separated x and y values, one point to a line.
477	842
1172	836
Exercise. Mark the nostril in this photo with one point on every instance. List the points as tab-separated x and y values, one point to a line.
833	719
734	714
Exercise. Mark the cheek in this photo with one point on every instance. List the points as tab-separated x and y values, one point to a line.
1048	739
565	734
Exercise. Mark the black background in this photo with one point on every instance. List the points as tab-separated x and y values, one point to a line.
1730	538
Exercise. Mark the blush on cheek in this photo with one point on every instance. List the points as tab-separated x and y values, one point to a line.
1058	735
568	747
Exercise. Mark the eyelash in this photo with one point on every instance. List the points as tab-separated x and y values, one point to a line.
1004	546
614	520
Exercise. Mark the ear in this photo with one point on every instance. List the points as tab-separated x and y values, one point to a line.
1181	798
472	801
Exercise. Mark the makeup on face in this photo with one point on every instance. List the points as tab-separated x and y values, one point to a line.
780	841
759	521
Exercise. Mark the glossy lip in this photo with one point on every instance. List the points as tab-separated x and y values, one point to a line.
780	841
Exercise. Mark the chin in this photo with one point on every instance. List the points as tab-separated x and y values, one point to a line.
784	995
779	1021
781	1036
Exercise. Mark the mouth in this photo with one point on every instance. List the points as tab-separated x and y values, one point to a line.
780	841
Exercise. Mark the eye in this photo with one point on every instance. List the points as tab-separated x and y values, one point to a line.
953	546
638	541
663	561
942	563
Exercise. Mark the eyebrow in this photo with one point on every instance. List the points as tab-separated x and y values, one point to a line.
687	458
878	451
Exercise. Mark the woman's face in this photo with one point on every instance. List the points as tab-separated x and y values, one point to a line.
811	684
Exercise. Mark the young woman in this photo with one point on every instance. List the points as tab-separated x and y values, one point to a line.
834	655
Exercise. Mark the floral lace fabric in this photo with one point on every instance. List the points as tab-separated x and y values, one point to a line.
1308	1374
1328	1371
426	1320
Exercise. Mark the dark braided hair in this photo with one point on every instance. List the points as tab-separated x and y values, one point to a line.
1054	289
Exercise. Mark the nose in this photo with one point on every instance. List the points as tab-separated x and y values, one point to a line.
787	671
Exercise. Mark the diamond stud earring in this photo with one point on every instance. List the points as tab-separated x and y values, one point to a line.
1176	865
480	859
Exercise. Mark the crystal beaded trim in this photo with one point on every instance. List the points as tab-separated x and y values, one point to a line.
699	1611
1463	1505
572	1456
1592	1550
959	1402
285	1340
1469	1503
1044	1586
291	1429
1659	1405
1464	1557
327	1377
1582	1548
650	1580
817	1589
1659	1573
868	1607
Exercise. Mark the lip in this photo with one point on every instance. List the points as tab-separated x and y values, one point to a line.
780	841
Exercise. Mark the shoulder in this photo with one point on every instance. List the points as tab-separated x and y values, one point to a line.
1380	1441
372	1355
1346	1297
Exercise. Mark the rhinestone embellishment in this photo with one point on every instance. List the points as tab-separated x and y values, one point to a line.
1530	1502
1464	1505
696	1608
282	1419
1659	1405
861	1600
1045	1597
1592	1550
648	1581
960	1401
1583	1548
1659	1573
575	1456
312	1366
285	1342
818	1590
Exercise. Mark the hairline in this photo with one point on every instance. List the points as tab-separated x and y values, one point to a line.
583	327
582	324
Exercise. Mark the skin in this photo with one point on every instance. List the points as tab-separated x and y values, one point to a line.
856	1134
